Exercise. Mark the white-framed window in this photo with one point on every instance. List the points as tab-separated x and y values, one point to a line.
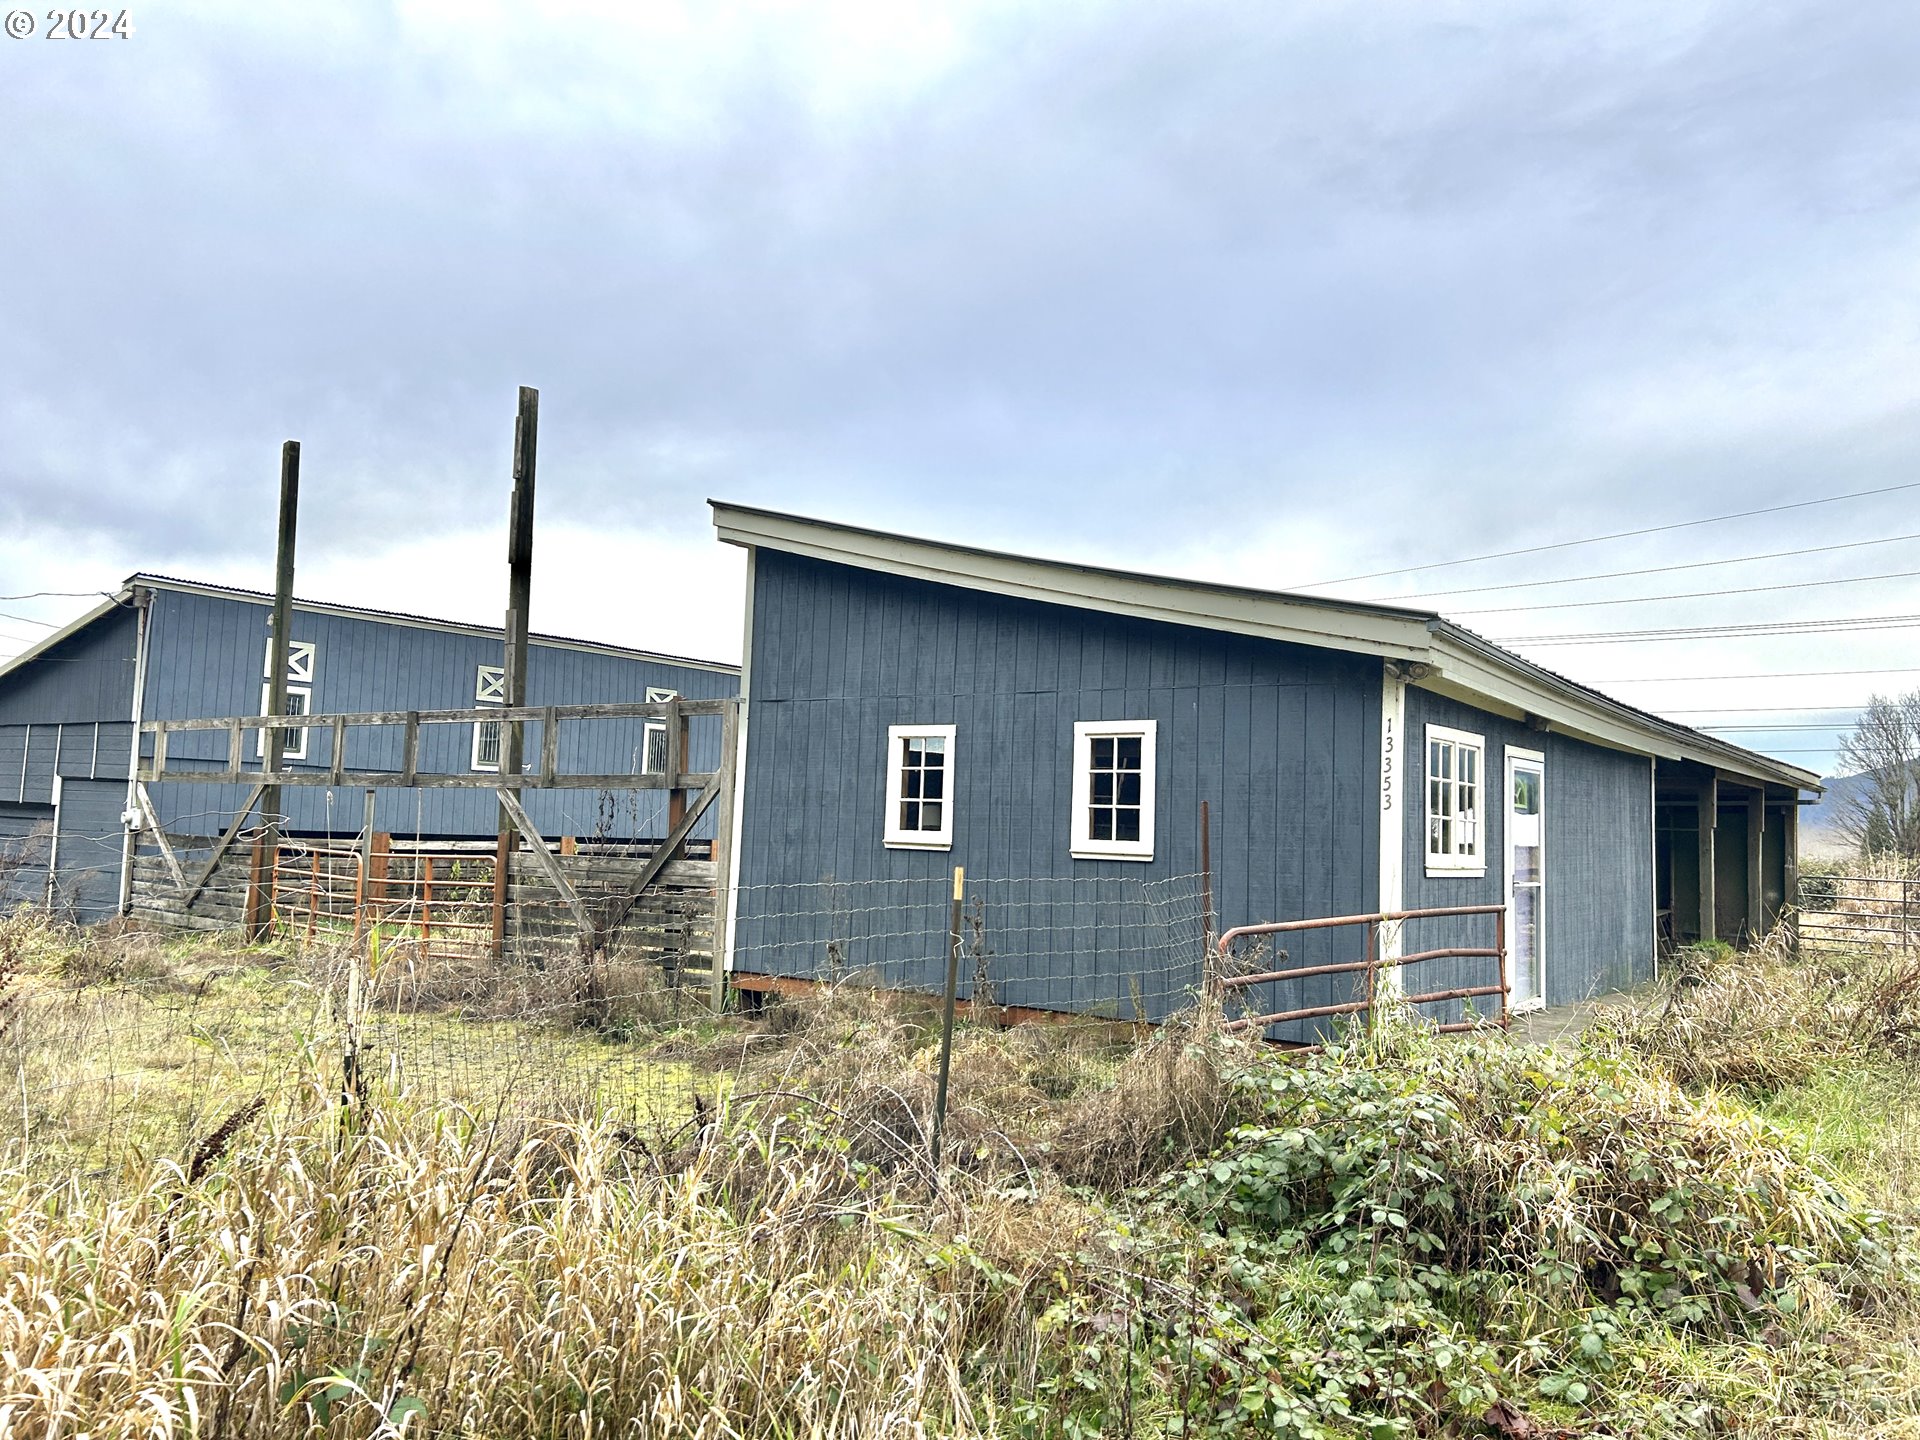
1113	789
299	702
489	688
301	657
920	787
654	733
1456	786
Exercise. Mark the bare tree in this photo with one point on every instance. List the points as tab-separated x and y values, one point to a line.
1882	816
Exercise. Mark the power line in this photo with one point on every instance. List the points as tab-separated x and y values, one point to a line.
1769	729
1723	632
1693	594
1765	710
1650	570
57	595
1756	675
1617	535
29	620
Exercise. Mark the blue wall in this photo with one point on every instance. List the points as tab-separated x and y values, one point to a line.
1282	740
67	711
1598	929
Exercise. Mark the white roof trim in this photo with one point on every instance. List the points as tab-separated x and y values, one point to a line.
321	607
72	627
1460	664
1300	619
425	622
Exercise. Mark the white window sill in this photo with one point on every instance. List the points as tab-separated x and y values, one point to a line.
1112	854
895	843
1456	872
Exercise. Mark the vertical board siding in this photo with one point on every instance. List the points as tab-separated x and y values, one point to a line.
88	884
1599	865
1267	732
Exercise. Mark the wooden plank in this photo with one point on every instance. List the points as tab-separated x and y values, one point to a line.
145	802
634	710
665	853
220	846
398	780
549	746
543	858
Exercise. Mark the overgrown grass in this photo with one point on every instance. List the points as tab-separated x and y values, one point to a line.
1406	1236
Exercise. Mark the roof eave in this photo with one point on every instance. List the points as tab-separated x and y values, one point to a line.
71	628
1371	630
1481	667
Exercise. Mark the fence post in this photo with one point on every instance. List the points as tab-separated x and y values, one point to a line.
946	1019
502	866
259	903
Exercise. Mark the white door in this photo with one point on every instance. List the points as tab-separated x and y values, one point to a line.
1526	877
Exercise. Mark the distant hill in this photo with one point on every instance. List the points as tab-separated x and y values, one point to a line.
1820	837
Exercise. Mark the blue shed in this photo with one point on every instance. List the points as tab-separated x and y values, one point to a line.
912	706
168	649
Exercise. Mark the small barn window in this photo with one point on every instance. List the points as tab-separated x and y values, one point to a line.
299	702
654	733
301	655
1456	768
489	688
1113	789
920	787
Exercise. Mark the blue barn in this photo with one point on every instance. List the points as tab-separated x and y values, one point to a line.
913	706
166	649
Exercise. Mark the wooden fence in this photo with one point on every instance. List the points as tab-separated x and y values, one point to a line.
444	900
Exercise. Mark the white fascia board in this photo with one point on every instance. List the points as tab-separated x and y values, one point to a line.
1178	602
1466	675
428	622
72	627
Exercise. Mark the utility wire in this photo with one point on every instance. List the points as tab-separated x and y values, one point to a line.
1765	710
1693	594
1756	675
1769	729
29	620
57	595
1616	535
1726	632
1626	574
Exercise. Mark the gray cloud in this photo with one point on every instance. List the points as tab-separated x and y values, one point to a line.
1113	276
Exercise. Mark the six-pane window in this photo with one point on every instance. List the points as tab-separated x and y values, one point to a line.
1113	789
301	655
920	786
1456	761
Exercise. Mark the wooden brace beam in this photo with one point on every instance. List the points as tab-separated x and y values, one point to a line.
219	849
543	857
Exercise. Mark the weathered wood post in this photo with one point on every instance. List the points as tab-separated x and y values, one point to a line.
276	746
526	444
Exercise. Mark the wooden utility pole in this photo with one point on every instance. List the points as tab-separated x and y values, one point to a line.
526	444
282	636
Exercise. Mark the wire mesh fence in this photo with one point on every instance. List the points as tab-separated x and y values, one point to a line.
127	1041
1109	947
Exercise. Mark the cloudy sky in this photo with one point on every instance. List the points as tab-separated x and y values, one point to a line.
1274	293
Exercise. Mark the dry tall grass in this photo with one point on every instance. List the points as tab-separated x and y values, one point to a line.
466	1278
